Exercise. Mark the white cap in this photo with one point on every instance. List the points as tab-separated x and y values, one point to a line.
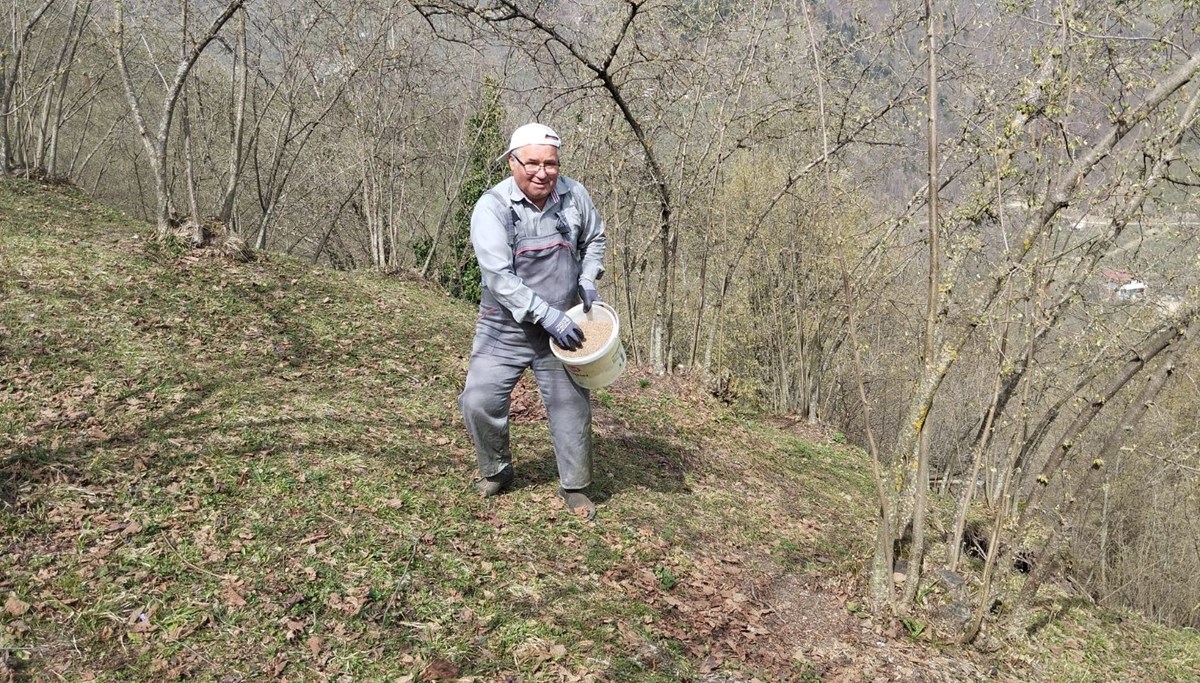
531	134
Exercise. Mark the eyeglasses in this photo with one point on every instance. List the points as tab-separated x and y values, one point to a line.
550	167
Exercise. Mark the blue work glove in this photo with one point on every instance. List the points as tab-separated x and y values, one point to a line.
589	295
564	330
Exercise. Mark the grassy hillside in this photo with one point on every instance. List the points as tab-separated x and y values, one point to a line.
236	472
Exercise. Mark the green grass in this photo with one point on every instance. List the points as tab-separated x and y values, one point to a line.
1083	644
228	471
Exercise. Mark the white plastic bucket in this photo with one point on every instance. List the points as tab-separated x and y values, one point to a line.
601	367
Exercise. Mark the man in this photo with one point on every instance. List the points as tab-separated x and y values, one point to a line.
540	244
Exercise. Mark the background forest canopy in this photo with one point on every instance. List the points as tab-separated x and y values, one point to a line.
761	166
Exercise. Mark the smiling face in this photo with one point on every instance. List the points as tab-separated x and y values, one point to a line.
543	159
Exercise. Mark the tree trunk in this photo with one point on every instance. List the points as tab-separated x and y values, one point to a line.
283	161
932	306
982	440
185	123
451	195
1001	508
316	257
702	306
267	191
189	172
880	578
239	80
54	92
57	119
658	323
8	81
1168	333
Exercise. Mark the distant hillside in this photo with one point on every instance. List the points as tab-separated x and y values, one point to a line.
237	472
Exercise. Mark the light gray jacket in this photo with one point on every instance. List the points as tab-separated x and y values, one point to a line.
503	217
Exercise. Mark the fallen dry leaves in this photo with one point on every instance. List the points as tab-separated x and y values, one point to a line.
14	606
744	611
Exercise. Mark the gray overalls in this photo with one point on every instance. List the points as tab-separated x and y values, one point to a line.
531	260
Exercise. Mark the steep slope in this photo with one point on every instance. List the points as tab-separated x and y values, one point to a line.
256	471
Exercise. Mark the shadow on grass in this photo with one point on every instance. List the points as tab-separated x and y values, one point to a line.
66	449
1057	610
632	461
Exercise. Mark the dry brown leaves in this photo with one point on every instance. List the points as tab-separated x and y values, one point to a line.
526	401
735	612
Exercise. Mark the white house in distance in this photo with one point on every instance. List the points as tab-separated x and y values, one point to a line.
1122	285
1131	291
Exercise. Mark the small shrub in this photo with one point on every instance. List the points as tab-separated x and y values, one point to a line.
666	579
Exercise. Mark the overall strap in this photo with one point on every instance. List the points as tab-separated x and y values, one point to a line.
511	220
567	199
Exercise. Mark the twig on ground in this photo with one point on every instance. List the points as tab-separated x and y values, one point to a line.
412	556
202	570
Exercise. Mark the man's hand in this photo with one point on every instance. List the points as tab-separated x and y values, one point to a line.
564	330
589	296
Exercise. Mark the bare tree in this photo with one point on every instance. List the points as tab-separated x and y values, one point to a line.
10	69
1063	187
185	126
157	144
54	99
932	306
1116	438
239	78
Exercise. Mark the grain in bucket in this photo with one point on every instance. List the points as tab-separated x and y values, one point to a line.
602	358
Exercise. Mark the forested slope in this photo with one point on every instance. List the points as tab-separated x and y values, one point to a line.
246	471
